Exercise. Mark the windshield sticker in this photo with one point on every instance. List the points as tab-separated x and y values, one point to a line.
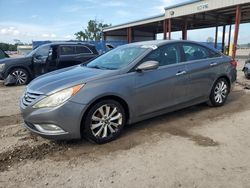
154	47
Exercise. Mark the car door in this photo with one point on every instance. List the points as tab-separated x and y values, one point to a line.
83	54
202	69
164	87
39	60
52	61
66	56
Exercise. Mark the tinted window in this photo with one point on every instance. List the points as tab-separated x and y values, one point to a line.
195	52
42	51
67	50
82	50
165	55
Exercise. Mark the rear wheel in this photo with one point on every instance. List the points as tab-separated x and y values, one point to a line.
20	75
104	121
219	93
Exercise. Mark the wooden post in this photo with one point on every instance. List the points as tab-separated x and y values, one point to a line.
169	29
129	34
236	30
223	38
165	29
229	38
184	30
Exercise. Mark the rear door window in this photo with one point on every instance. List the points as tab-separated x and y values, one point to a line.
67	50
195	52
83	50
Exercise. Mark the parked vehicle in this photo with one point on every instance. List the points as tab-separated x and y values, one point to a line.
128	84
46	58
3	54
246	69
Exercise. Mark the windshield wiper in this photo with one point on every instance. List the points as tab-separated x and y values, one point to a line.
94	67
99	67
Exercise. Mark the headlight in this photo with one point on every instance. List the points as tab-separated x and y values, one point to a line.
58	98
2	66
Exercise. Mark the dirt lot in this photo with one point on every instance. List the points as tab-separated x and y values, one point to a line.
195	147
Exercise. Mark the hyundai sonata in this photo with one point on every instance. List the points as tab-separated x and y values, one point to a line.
131	83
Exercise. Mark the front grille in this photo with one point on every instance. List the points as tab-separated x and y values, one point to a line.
29	98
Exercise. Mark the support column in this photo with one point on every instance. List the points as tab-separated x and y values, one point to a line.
229	38
169	28
104	36
236	30
223	38
216	36
165	29
129	34
184	31
154	37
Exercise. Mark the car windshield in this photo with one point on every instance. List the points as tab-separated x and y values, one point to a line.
117	58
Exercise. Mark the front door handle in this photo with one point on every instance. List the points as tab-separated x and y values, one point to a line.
180	73
213	64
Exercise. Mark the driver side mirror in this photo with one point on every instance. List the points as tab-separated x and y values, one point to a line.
148	65
38	57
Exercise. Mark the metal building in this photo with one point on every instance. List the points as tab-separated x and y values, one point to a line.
194	14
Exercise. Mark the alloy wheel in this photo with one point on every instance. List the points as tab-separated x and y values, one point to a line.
20	76
220	92
105	121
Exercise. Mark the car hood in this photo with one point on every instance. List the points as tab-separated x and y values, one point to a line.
64	78
9	61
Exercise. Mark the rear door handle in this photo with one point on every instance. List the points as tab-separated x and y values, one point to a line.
213	64
180	73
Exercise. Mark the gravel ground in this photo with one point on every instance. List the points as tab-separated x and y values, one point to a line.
195	147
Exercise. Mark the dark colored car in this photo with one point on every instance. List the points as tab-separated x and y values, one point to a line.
128	84
246	69
3	54
44	59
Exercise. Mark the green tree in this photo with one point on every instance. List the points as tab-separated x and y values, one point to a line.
8	47
81	35
210	40
92	32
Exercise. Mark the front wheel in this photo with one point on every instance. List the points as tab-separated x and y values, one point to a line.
104	121
20	75
219	93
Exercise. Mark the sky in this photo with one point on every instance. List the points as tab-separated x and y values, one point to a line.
28	20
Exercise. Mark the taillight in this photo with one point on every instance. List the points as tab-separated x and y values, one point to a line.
233	63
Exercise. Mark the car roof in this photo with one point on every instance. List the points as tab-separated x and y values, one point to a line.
159	43
67	43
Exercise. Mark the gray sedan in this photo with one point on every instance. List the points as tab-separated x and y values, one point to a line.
131	83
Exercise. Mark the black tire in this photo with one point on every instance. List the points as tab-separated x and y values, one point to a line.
246	73
218	97
104	121
21	76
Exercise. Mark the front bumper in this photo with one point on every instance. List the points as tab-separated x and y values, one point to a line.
67	117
